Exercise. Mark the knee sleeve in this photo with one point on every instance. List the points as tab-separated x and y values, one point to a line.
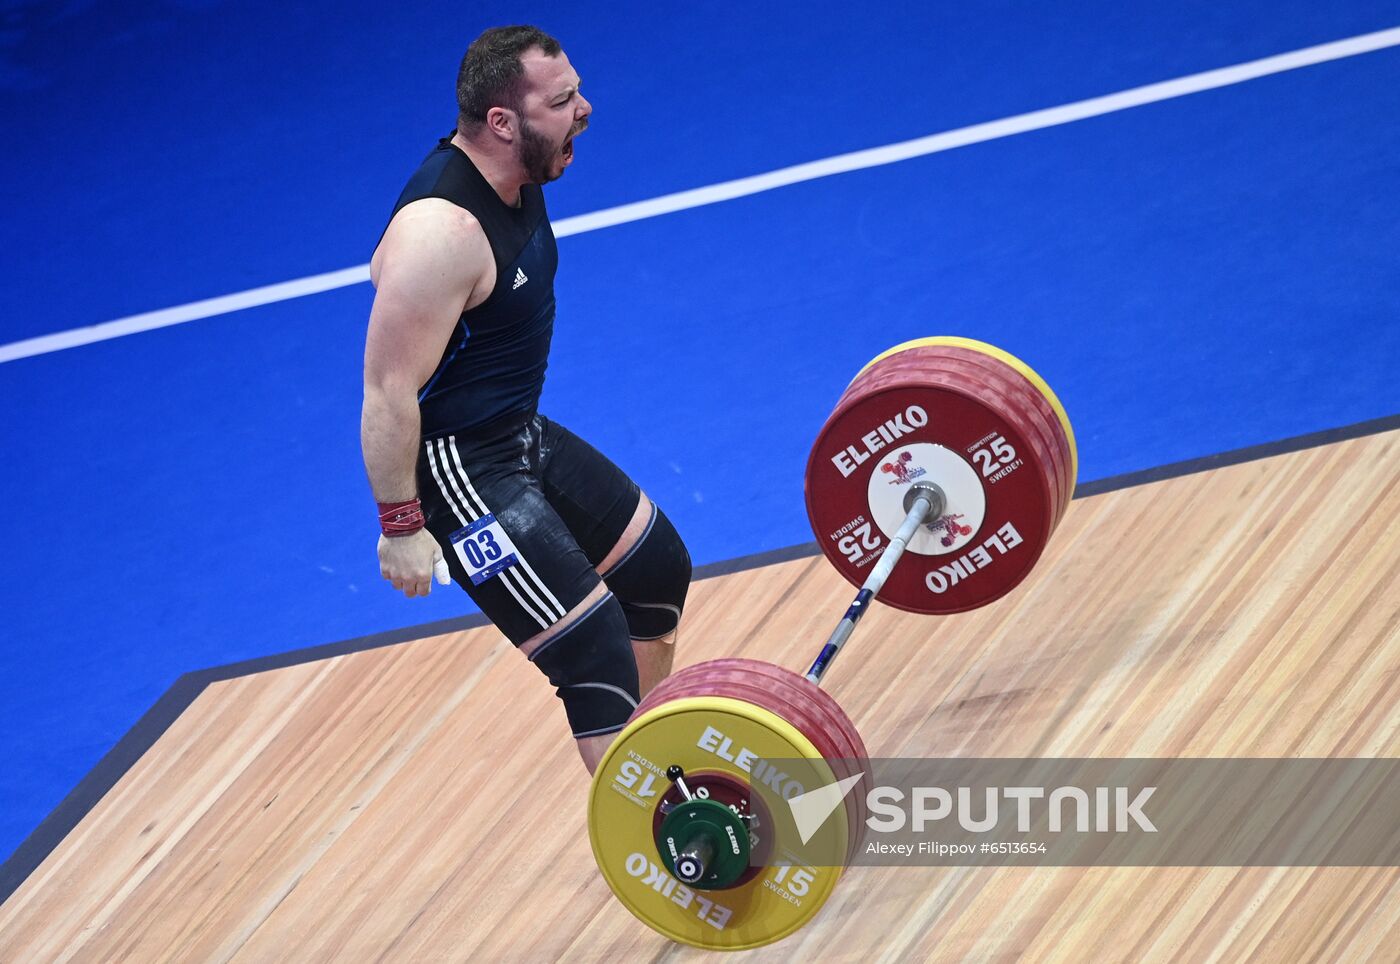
652	580
593	670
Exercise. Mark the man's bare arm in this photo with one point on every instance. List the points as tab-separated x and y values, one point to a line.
429	267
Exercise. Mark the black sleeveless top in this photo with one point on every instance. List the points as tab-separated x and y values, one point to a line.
492	368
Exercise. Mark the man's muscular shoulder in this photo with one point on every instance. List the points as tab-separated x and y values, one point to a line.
436	243
433	263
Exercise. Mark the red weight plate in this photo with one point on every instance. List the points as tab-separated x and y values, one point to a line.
1011	394
794	698
908	425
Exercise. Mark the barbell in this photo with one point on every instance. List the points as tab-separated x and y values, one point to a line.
947	452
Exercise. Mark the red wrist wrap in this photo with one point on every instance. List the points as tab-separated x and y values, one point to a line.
401	518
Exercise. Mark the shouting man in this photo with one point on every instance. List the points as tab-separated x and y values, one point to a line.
555	544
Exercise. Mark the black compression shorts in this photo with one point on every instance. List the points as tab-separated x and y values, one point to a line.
560	505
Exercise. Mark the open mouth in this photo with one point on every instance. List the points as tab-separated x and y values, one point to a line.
567	151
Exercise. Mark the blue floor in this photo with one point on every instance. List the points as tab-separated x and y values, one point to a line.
1192	276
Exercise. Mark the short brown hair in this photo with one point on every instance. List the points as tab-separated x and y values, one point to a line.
491	71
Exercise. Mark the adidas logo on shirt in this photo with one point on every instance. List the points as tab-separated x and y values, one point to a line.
520	279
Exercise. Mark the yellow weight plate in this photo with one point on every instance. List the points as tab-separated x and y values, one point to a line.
707	733
972	344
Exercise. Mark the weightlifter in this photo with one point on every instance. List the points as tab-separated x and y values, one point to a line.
555	544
